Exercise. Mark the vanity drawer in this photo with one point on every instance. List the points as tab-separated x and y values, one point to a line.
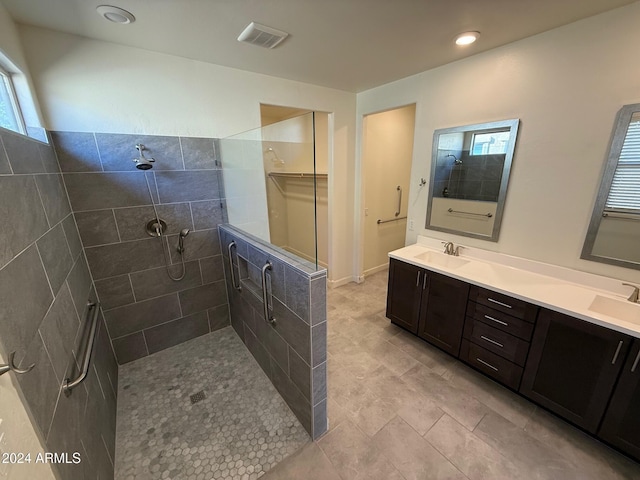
504	303
507	346
492	365
501	321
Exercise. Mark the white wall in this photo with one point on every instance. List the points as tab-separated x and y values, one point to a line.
566	86
87	85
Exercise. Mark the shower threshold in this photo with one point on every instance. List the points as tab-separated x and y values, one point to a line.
201	410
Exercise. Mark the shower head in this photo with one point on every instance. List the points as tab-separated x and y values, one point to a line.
456	160
184	232
143	163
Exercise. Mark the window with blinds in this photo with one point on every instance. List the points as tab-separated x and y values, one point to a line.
624	194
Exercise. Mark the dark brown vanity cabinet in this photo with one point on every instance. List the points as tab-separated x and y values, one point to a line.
573	366
621	424
427	304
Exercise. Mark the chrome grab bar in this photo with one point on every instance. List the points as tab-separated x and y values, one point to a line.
267	316
488	215
11	366
233	275
391	220
68	384
399	189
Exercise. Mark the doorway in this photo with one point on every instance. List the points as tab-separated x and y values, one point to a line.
387	153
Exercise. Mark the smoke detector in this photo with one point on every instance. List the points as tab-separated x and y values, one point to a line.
115	14
262	36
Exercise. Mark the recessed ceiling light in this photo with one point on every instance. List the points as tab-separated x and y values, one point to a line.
115	14
467	38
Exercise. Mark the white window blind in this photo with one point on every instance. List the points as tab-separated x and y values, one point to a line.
624	194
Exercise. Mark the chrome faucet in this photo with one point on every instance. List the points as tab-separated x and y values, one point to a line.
448	248
634	295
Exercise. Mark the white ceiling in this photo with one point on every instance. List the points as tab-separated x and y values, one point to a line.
350	45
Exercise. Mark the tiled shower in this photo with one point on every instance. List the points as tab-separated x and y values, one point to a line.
74	232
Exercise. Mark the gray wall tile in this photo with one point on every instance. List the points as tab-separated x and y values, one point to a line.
119	258
114	291
297	293
218	317
132	221
294	398
77	151
56	256
207	214
203	297
319	383
319	339
128	319
196	245
73	239
293	329
187	186
5	168
117	151
155	282
257	350
97	227
40	387
97	191
172	333
270	338
25	297
130	348
300	373
211	268
49	160
54	197
320	416
22	213
24	154
318	300
198	153
79	281
105	360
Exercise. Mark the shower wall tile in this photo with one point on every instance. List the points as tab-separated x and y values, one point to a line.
23	215
25	297
130	348
132	221
5	168
132	318
207	214
115	291
97	191
117	151
155	282
97	227
42	291
187	186
203	297
23	153
119	258
197	245
77	151
199	153
218	317
54	197
293	345
55	255
211	268
176	332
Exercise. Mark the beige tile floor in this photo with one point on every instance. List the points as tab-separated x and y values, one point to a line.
401	409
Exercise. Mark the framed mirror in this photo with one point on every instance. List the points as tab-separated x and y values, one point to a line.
614	230
470	168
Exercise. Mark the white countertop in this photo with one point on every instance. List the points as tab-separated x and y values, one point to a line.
579	294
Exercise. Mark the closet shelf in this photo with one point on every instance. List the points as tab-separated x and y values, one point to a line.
296	175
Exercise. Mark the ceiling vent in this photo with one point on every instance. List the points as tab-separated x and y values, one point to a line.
262	36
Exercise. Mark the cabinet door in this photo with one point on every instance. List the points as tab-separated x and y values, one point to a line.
573	366
403	294
444	303
621	425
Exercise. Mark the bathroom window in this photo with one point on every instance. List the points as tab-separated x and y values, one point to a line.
10	115
489	143
624	194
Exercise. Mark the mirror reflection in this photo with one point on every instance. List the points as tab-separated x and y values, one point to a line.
469	174
614	230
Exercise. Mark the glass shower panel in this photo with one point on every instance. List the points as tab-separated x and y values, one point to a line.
271	184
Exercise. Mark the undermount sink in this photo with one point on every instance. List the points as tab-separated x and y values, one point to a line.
441	259
620	309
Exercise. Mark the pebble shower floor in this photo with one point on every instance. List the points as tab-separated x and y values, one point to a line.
201	410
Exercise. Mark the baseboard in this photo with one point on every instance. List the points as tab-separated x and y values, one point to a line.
377	269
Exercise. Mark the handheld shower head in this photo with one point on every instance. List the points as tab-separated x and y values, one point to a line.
143	163
184	232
